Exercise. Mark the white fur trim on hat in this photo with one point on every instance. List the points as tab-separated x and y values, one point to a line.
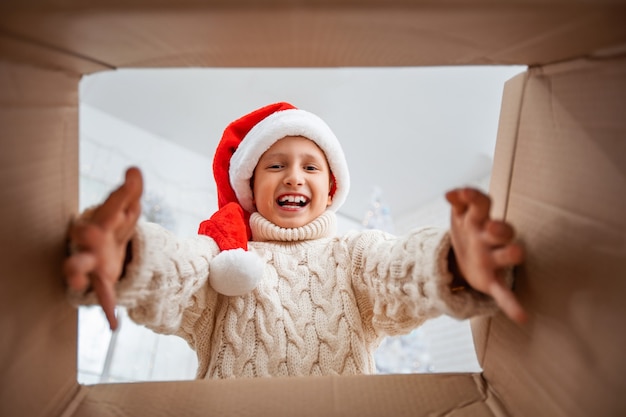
292	122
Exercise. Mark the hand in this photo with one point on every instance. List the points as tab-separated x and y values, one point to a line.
484	248
99	243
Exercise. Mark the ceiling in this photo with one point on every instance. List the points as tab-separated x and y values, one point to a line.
413	132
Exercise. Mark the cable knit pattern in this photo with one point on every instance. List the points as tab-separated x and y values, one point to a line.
323	304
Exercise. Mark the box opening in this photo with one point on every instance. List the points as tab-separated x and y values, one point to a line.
435	126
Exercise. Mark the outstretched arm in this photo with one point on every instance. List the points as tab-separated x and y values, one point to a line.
99	243
484	248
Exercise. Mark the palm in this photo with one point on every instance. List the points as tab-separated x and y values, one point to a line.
484	248
101	242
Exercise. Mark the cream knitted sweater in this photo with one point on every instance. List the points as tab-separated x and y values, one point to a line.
323	305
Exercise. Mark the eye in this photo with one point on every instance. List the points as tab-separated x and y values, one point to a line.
310	168
275	166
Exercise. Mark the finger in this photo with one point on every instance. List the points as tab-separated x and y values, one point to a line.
498	233
84	235
121	199
459	206
132	216
452	196
106	297
76	269
506	300
479	205
108	214
509	255
134	186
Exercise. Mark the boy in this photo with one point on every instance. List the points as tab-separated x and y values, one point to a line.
300	301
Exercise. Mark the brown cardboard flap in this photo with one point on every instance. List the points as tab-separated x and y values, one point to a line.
566	196
389	33
501	173
38	190
390	395
29	52
504	155
568	201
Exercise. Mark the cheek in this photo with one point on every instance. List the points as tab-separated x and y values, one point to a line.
263	197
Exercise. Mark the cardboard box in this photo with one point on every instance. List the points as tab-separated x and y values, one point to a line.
559	177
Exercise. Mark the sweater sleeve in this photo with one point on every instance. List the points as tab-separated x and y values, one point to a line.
402	281
165	286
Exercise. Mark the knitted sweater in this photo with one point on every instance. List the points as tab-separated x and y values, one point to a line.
322	307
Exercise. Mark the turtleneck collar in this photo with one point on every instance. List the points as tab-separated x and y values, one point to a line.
263	230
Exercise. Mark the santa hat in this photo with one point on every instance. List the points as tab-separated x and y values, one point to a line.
235	271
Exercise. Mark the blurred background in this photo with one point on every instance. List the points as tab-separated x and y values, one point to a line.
409	135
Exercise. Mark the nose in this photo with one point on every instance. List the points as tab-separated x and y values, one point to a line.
294	177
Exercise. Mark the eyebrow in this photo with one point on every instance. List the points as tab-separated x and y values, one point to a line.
306	155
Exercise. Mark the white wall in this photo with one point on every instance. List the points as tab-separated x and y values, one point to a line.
177	185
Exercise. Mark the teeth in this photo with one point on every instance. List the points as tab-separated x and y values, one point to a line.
293	199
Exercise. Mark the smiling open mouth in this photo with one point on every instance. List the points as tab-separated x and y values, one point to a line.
292	201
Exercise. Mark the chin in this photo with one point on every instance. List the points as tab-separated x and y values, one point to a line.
291	223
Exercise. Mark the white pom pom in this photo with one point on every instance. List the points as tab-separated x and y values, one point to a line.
235	272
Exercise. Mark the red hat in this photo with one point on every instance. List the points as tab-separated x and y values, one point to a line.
243	143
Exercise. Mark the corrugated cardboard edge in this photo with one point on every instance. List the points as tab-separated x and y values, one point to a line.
459	394
71	408
490	398
502	172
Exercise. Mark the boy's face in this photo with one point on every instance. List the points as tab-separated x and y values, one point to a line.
292	182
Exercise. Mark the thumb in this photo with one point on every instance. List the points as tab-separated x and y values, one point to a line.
508	303
106	297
